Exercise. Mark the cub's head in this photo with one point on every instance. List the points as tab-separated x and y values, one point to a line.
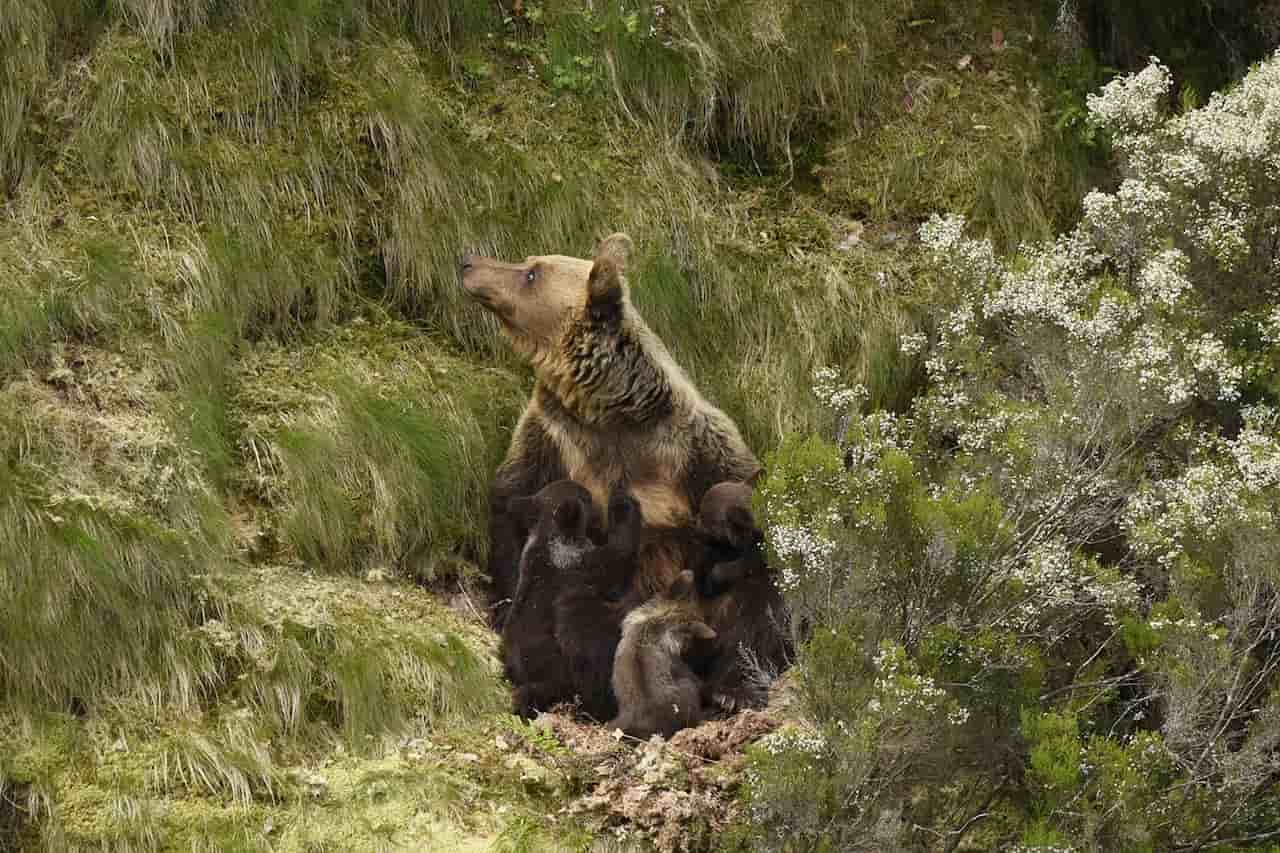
540	298
673	619
725	516
563	517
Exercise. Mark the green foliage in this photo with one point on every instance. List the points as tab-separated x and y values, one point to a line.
55	292
1056	568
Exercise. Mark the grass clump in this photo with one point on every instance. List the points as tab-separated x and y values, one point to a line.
748	78
376	452
318	658
383	481
59	289
95	601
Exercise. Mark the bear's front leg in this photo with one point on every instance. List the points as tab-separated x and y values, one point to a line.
528	699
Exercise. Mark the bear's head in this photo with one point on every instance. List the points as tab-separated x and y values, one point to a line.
725	516
678	621
539	300
562	517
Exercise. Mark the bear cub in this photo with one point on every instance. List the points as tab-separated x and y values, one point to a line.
654	680
564	621
740	602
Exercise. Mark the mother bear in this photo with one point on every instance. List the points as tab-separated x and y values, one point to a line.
610	408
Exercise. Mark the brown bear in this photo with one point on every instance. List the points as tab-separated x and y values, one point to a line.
609	409
594	598
740	602
654	677
564	623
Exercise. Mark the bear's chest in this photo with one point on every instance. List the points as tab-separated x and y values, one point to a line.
651	468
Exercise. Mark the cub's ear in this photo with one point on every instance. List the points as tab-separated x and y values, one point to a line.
604	284
683	588
569	517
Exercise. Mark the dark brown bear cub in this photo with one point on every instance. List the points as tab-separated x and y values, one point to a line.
741	603
653	677
550	597
590	607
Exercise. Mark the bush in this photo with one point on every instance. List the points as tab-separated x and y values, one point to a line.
1051	583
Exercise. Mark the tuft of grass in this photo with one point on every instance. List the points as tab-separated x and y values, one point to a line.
95	601
25	31
231	763
57	290
748	79
268	281
384	478
314	657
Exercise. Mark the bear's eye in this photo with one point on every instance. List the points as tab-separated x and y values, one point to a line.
531	275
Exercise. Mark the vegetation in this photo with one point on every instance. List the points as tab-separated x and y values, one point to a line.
249	418
1042	600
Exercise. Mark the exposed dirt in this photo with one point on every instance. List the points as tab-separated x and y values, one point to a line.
679	792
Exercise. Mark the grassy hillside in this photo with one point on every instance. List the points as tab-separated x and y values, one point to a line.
248	418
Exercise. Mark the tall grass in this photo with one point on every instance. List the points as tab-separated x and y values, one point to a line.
312	664
392	479
25	29
93	600
58	290
749	76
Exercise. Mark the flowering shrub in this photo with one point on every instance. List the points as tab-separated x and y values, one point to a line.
1041	608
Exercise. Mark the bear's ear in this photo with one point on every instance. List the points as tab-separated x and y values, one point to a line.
568	517
604	284
616	247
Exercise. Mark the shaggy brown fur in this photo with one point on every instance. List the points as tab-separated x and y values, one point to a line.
590	607
610	408
555	521
740	602
657	689
563	625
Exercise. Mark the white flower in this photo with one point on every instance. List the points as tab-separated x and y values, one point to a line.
912	344
1163	279
1133	102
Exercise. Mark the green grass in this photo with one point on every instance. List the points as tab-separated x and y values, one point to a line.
752	80
58	289
974	126
382	460
96	597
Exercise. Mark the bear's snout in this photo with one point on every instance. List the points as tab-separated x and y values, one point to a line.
466	261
